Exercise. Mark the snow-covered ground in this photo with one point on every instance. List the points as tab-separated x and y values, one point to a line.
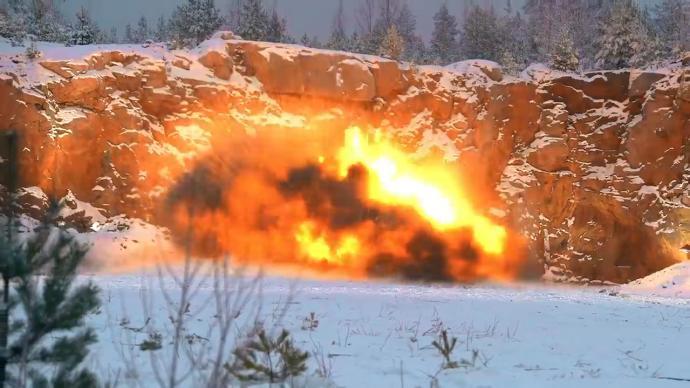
380	334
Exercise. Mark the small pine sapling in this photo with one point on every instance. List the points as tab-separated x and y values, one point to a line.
51	331
310	322
264	359
47	342
446	347
153	342
32	52
564	56
392	45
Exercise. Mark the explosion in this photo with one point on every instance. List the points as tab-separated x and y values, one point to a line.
431	190
358	208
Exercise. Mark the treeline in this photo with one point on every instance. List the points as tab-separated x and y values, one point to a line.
566	34
41	20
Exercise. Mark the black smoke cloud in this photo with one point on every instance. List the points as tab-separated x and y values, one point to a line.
337	202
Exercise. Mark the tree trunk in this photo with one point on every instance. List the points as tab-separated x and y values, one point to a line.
4	320
12	183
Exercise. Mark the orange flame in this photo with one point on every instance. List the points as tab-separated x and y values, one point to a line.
359	207
431	190
315	247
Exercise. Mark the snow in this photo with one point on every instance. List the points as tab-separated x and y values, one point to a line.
380	333
671	282
119	245
89	211
473	66
526	335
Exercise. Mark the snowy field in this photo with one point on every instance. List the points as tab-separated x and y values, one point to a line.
380	334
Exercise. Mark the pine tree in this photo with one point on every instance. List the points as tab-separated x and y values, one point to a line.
393	44
193	22
356	44
422	54
509	64
514	35
625	40
254	21
53	306
142	33
48	341
304	40
84	31
338	39
374	25
444	44
112	36
406	25
481	38
365	16
672	20
267	359
564	57
13	24
161	34
45	23
545	20
233	18
315	42
129	34
388	14
277	28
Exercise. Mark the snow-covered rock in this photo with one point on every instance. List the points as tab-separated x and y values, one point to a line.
592	169
478	66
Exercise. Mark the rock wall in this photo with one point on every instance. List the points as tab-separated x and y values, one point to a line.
593	170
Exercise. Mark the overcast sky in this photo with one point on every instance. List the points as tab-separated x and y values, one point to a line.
313	17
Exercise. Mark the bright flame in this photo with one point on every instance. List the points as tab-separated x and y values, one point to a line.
431	190
353	205
316	247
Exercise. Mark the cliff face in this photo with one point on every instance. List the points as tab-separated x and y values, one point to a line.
593	170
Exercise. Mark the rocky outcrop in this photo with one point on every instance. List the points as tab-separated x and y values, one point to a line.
593	170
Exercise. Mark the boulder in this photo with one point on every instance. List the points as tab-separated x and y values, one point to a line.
159	103
684	89
389	79
549	154
575	100
154	74
491	70
335	76
554	120
642	81
219	63
279	73
85	90
685	58
65	69
182	62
